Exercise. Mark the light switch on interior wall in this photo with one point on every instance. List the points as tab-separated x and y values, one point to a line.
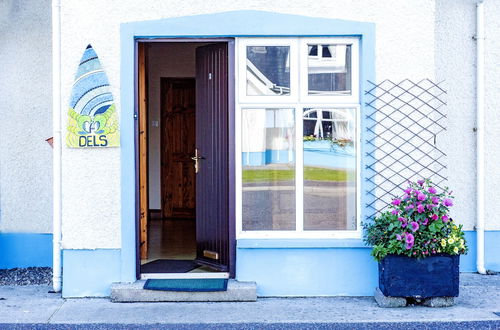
155	123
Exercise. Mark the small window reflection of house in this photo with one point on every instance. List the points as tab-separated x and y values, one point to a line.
268	70
329	69
268	136
335	124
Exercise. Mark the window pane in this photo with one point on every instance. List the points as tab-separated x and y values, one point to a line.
268	162
330	169
329	70
268	70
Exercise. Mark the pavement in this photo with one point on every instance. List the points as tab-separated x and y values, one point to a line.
32	307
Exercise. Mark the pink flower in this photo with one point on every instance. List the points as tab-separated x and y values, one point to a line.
432	190
401	219
434	217
429	206
409	207
404	224
398	237
435	200
395	212
444	218
425	222
396	202
414	226
421	197
447	202
420	208
410	238
408	191
421	182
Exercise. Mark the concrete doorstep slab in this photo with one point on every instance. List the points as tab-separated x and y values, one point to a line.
135	292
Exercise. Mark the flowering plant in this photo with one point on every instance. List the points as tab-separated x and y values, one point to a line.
416	225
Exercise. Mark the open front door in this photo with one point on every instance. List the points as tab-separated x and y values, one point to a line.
211	156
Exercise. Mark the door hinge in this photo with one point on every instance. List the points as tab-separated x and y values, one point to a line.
136	116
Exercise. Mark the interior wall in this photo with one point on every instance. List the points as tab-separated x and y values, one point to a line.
164	60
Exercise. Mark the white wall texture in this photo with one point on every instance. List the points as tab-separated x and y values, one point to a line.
26	116
492	118
455	59
414	39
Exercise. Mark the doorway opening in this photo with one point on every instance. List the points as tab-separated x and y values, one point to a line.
184	160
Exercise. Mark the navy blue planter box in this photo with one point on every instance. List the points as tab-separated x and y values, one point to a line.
434	276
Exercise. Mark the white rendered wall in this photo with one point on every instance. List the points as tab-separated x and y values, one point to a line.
405	41
456	64
26	116
492	117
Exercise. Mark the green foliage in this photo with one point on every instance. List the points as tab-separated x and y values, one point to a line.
416	225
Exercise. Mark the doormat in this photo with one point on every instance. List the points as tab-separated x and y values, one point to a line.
187	285
169	266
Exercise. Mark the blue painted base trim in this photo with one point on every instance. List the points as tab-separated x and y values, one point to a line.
329	267
22	250
89	273
491	251
308	271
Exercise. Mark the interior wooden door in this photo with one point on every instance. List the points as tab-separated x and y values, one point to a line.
143	151
212	233
178	183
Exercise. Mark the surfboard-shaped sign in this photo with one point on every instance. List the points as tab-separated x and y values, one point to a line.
92	118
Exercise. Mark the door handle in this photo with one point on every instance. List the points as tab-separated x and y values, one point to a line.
196	159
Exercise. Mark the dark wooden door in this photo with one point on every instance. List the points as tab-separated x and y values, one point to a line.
212	233
178	184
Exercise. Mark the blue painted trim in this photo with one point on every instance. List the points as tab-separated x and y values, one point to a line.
329	267
491	251
367	73
299	243
89	273
127	142
226	24
236	24
308	271
22	250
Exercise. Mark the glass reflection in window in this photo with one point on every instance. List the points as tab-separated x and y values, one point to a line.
268	163
329	169
268	70
329	69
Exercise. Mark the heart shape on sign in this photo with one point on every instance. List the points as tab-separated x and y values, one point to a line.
91	126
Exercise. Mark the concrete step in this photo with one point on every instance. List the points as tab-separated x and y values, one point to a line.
134	292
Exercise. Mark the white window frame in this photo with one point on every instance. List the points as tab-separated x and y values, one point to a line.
299	104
